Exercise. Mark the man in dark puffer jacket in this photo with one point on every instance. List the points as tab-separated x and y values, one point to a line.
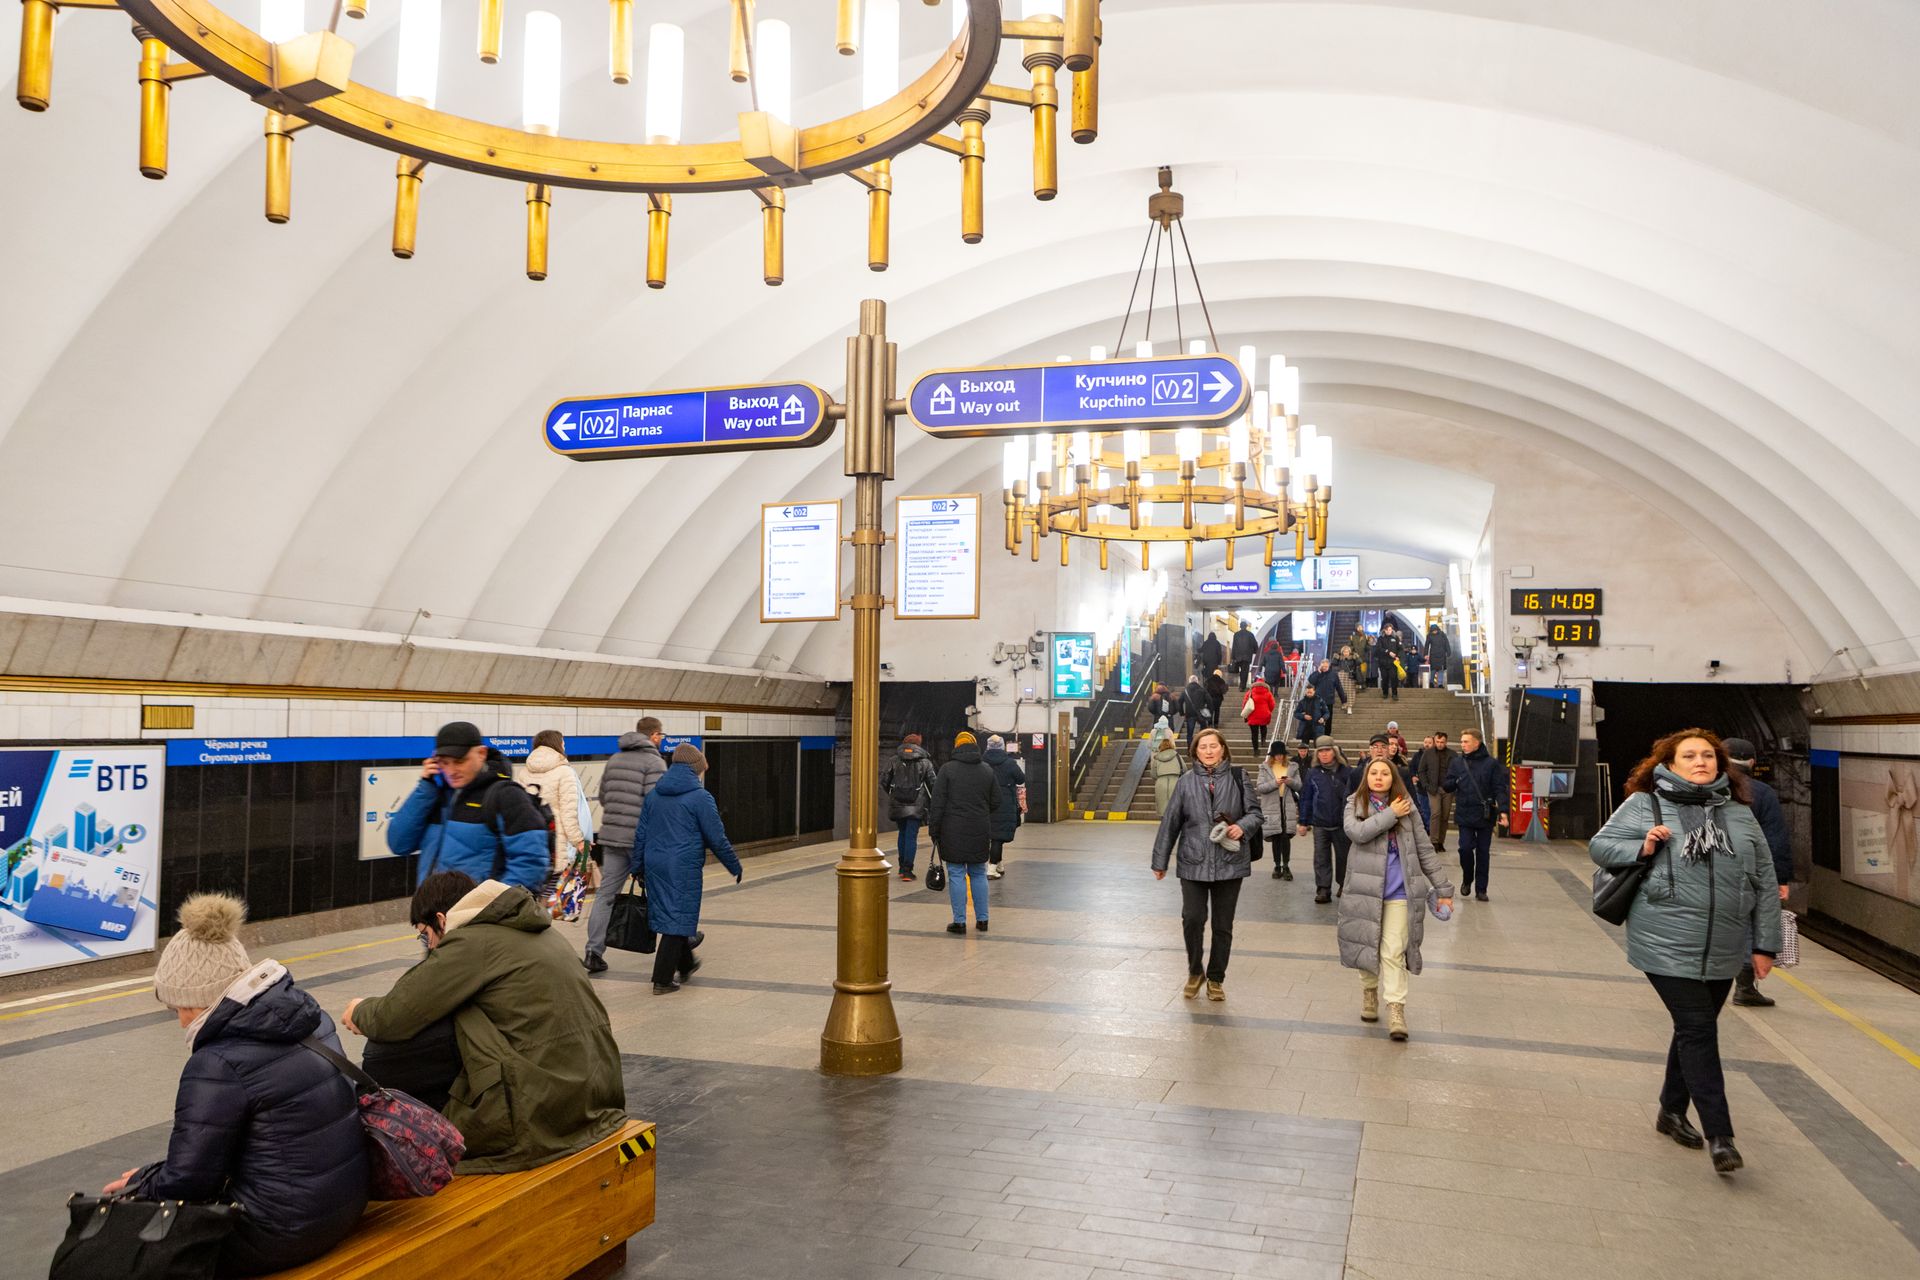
259	1119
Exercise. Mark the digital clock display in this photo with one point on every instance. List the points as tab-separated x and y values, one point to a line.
1537	600
1573	631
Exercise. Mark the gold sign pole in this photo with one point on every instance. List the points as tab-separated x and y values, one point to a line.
862	1037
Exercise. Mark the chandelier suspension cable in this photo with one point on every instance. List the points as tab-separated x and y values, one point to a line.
747	34
1194	271
1120	343
1179	321
1153	286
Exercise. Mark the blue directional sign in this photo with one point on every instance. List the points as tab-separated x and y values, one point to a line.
781	415
1158	391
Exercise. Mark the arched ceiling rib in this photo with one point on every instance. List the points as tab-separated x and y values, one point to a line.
1682	259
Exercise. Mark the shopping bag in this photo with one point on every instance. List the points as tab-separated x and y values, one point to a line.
628	928
130	1239
1789	939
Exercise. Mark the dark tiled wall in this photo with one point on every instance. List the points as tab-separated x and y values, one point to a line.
286	837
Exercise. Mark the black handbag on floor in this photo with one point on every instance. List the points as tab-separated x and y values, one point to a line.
130	1239
627	928
1615	888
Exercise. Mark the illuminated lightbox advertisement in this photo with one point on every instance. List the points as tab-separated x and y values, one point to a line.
800	562
80	833
1073	665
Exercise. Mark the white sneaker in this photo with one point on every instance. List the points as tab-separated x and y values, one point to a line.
993	872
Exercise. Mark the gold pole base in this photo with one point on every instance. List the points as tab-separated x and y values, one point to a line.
862	1036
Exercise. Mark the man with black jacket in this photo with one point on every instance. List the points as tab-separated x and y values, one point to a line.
1439	656
966	796
1210	650
1244	646
1323	799
1765	803
628	780
1325	685
1435	761
1387	651
1478	784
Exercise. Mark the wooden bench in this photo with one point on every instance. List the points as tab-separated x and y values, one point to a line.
568	1220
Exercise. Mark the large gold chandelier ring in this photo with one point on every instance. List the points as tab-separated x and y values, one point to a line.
309	78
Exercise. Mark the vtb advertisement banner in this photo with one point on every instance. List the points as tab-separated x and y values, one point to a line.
80	839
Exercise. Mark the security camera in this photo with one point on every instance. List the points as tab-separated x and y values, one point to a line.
887	667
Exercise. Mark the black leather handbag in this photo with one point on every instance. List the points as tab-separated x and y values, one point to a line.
627	927
937	873
130	1239
1615	888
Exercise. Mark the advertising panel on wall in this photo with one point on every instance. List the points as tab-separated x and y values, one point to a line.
1072	665
80	835
384	790
1880	825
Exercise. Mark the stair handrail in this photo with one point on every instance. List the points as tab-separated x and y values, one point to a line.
1136	767
1090	737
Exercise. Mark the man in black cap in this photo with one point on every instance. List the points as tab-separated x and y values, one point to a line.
1765	803
468	814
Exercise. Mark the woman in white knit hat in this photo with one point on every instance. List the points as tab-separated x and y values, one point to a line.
259	1118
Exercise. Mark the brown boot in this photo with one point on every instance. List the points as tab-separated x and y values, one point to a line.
1193	986
1396	1022
1369	1004
1216	991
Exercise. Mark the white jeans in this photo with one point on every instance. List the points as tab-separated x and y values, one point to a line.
1392	978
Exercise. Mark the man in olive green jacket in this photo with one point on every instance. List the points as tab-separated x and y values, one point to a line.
541	1072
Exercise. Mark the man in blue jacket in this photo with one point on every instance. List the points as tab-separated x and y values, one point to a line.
1765	803
1324	792
468	814
1478	784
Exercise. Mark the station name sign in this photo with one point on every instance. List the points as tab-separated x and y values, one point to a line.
779	415
1170	391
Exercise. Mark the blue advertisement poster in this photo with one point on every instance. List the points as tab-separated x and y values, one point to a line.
1073	665
1126	660
80	838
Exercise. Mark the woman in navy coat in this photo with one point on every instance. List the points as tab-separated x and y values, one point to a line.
678	825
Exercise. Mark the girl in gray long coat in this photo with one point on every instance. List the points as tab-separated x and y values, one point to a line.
1382	913
1209	834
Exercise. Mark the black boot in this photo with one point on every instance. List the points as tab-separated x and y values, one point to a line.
1286	872
1726	1157
1675	1126
1745	993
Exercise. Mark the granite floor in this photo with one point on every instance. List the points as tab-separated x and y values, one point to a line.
1065	1114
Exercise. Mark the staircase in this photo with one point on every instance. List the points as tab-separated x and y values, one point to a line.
1418	711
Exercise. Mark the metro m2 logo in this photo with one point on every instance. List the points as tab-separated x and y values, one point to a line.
1176	388
599	424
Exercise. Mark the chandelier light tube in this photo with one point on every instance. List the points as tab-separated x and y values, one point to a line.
1323	460
1186	442
282	20
666	72
1133	445
1239	434
739	65
539	201
493	15
35	88
154	92
406	205
1083	18
659	213
880	51
973	164
540	81
1250	364
1143	350
418	79
620	41
1043	61
773	68
773	236
846	27
279	132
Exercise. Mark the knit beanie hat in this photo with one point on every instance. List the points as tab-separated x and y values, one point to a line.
964	739
687	753
206	956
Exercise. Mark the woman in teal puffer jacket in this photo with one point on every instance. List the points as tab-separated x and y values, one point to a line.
1710	880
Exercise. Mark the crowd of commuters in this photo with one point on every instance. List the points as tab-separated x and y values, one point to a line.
498	1026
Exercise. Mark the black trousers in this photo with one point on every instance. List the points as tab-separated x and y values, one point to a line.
1281	846
993	851
672	959
1693	1059
424	1067
1198	898
1389	679
1240	669
1259	735
1476	857
1330	846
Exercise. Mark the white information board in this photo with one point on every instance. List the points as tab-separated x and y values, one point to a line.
800	562
936	562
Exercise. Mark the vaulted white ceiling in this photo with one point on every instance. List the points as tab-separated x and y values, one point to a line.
1673	243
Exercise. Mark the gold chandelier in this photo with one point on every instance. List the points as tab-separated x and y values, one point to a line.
1269	474
306	78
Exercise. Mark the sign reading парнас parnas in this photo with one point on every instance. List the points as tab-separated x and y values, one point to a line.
80	844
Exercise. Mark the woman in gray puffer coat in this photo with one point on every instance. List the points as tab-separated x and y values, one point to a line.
1213	795
1390	870
1710	880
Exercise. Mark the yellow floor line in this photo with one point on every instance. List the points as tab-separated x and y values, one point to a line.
147	990
1858	1023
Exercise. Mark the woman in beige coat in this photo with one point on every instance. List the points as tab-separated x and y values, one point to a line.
1166	773
559	785
1390	870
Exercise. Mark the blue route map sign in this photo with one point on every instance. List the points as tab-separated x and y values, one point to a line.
781	415
1162	391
